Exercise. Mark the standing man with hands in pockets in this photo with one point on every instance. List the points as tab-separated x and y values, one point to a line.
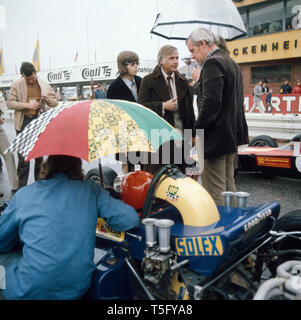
29	96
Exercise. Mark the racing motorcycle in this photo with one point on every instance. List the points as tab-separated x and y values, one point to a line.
186	247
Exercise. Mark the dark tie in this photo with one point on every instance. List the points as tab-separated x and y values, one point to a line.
169	79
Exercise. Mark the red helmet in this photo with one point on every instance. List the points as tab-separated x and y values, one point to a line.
134	187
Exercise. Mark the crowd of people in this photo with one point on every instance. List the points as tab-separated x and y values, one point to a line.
47	231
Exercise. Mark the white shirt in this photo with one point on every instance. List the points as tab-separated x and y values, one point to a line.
132	86
173	83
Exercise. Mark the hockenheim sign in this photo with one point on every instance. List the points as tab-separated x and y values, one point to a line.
81	74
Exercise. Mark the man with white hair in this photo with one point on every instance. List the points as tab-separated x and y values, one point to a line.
167	92
221	113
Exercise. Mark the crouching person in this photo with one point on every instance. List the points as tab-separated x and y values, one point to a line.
47	233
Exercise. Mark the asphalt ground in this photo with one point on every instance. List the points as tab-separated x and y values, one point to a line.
286	191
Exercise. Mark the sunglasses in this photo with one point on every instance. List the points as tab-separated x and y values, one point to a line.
132	63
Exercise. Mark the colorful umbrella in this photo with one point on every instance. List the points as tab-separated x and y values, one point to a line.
93	129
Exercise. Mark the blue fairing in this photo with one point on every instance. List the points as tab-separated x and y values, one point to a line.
208	248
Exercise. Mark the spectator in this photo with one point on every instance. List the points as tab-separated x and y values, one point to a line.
126	86
221	113
167	92
257	93
54	219
268	101
297	88
58	94
8	157
27	96
265	88
98	93
274	26
286	88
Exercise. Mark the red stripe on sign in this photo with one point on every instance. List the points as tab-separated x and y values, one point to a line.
66	134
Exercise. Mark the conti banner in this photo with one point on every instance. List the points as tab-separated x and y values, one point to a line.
281	45
80	74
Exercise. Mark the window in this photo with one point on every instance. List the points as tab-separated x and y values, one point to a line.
244	18
293	14
271	74
267	19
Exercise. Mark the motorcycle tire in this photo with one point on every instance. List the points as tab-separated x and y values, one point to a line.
291	221
108	174
263	141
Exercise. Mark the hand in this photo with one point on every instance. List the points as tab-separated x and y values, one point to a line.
1	120
32	106
196	72
170	105
46	99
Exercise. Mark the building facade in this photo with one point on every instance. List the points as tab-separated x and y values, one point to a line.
271	51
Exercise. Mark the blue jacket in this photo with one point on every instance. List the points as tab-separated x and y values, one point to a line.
55	221
99	94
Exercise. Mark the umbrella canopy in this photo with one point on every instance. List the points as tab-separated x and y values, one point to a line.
180	18
93	129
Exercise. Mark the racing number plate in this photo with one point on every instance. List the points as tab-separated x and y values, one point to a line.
103	230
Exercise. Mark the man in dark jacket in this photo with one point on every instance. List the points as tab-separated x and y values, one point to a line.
126	87
286	88
221	114
167	92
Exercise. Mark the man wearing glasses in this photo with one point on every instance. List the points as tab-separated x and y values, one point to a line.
126	86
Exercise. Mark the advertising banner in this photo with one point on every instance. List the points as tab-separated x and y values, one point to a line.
81	74
281	103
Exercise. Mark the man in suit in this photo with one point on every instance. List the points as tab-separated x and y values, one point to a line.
221	114
28	96
167	92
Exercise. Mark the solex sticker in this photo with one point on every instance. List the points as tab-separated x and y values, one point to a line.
199	246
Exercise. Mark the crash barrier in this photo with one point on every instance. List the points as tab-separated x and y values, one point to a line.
282	127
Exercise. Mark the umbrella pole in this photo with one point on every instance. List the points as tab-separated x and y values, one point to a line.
100	172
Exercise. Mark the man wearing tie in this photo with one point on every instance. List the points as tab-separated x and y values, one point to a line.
166	92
